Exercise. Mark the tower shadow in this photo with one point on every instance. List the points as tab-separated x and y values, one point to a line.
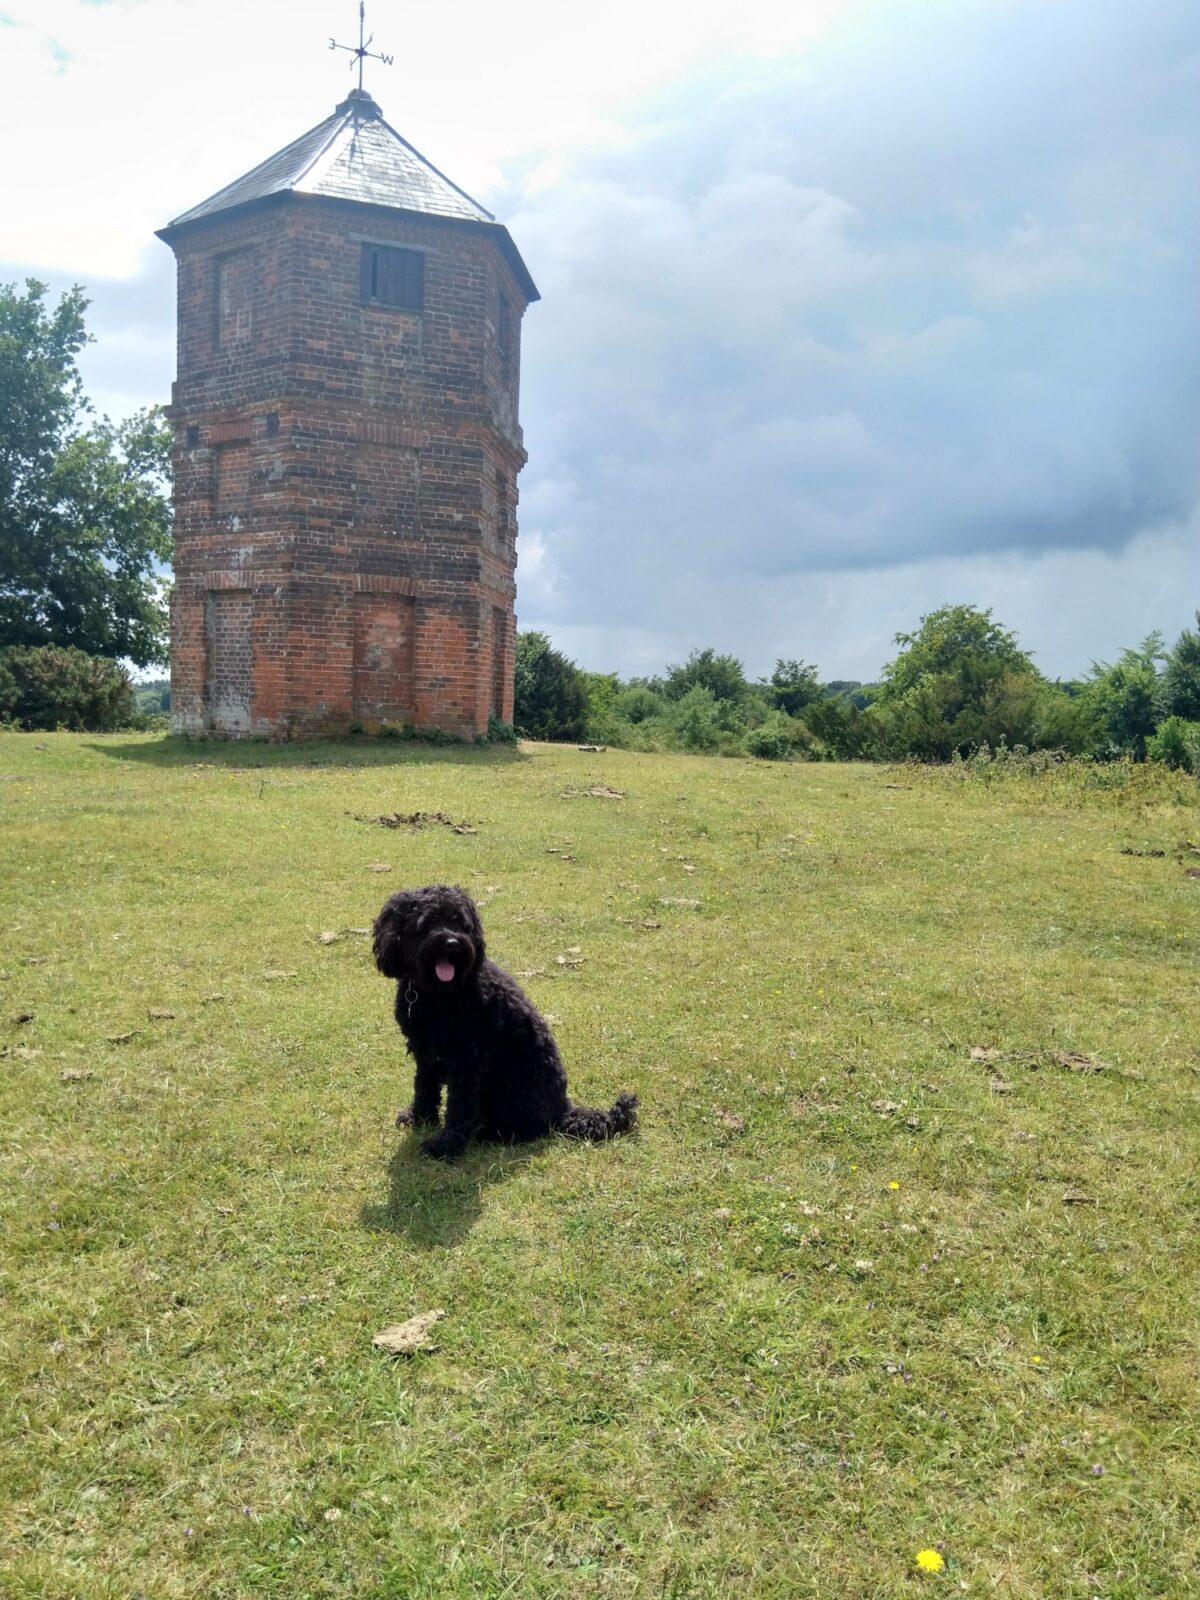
244	755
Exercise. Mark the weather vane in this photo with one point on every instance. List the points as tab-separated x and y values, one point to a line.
360	50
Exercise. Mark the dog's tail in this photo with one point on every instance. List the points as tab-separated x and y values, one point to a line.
587	1122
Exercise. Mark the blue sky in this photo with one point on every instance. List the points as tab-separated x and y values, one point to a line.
850	310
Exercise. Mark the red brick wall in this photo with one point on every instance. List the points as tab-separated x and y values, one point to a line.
384	641
236	275
228	615
348	471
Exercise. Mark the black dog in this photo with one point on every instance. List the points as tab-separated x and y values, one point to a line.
470	1028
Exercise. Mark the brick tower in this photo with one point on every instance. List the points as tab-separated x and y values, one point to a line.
346	444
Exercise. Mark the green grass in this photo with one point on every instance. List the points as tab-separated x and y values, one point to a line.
773	1359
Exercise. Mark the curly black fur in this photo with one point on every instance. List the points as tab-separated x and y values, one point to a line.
472	1030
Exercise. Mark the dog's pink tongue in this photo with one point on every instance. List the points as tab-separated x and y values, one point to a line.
445	971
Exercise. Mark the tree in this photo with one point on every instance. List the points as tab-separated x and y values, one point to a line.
1124	698
962	681
551	696
962	648
84	513
792	686
1180	684
723	676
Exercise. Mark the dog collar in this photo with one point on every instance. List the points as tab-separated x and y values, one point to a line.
410	997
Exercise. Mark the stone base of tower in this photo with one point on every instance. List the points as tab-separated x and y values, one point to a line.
262	659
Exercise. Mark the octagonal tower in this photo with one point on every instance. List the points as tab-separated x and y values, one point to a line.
347	444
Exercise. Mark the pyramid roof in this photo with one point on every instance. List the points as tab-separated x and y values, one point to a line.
355	155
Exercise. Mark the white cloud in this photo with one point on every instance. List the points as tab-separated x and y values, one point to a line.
116	117
851	309
1034	259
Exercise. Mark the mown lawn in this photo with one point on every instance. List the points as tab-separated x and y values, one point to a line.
851	1293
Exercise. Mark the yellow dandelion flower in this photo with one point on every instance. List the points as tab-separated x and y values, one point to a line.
1037	1360
893	1184
930	1560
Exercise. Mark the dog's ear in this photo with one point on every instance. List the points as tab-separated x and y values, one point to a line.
388	942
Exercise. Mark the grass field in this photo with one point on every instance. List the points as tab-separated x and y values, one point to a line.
852	1292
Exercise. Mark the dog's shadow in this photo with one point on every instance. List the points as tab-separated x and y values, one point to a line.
437	1203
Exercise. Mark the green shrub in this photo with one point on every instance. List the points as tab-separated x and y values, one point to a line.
918	725
638	703
602	725
433	735
1176	743
47	687
655	734
1064	780
696	719
842	729
501	732
772	740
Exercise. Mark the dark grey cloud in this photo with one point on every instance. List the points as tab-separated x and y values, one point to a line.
926	294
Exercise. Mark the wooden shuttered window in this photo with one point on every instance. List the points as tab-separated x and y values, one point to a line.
392	277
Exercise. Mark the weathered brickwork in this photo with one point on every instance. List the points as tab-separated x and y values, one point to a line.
346	473
228	654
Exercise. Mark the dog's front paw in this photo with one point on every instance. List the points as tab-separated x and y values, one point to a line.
444	1146
412	1117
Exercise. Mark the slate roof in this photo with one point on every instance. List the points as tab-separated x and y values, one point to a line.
354	155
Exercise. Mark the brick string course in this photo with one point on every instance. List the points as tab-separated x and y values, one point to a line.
345	476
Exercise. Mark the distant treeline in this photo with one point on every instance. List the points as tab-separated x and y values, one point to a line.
153	696
958	685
